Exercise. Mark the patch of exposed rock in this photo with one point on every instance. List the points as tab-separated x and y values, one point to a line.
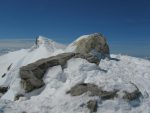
3	90
9	67
32	74
18	96
94	90
92	105
4	75
96	42
129	96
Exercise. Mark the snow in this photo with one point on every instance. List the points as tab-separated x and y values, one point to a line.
45	48
52	98
8	59
71	47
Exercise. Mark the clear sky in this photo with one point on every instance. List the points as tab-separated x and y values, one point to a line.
125	23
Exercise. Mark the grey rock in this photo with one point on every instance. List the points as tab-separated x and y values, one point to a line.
24	112
94	90
90	58
92	105
9	67
78	89
32	74
4	75
95	42
3	89
18	96
130	96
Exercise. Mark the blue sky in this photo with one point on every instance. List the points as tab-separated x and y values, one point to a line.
125	23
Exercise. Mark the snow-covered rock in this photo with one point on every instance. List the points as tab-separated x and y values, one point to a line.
94	43
42	49
32	74
129	76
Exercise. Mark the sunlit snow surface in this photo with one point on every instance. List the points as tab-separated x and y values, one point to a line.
110	74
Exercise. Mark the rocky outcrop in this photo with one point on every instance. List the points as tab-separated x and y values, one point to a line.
91	48
90	58
3	90
94	42
33	73
4	75
129	96
92	105
94	90
18	96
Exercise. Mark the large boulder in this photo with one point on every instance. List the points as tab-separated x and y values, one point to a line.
32	74
94	43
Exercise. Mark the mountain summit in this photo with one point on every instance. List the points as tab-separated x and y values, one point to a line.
41	40
82	77
49	44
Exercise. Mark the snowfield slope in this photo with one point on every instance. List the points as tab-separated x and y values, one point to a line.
14	60
52	98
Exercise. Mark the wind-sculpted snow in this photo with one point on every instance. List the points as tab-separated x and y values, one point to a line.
119	75
129	75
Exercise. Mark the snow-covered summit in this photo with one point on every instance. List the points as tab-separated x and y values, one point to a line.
10	77
49	44
123	85
41	40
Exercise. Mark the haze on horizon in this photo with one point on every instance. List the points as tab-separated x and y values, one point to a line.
125	23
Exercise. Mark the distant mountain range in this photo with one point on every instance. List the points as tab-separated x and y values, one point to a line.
10	45
6	50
